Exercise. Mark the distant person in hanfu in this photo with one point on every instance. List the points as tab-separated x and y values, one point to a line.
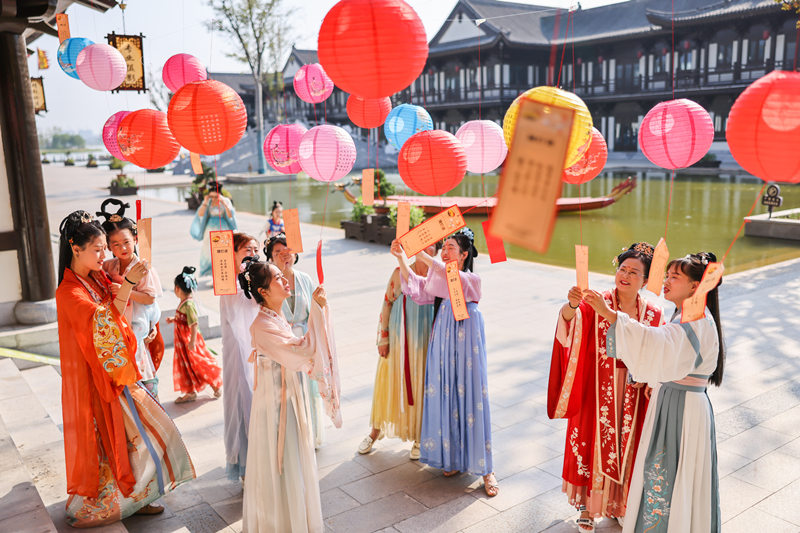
456	434
215	213
281	489
675	485
403	333
603	404
122	450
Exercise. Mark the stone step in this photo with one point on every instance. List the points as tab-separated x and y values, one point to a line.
32	417
21	506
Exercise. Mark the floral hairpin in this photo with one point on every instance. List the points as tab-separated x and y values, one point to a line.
86	217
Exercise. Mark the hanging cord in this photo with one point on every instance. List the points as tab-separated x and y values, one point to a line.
669	202
672	57
580	196
741	226
564	49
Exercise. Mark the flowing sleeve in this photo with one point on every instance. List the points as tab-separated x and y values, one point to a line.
107	344
434	285
567	379
198	227
150	284
282	346
389	297
657	354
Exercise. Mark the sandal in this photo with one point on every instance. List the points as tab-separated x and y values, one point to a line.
366	444
585	523
415	452
490	485
192	396
450	473
153	508
217	392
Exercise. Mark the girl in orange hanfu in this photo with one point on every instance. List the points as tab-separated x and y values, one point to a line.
194	366
122	450
605	409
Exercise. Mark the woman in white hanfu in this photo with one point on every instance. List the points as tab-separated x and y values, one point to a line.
281	490
236	313
675	485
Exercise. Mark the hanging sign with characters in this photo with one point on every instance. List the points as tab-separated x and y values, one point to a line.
37	88
131	48
432	230
223	262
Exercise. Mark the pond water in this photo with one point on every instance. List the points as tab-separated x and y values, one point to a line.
706	212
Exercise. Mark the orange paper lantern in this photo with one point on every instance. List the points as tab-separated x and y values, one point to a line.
591	163
372	48
763	129
432	162
207	117
145	139
368	112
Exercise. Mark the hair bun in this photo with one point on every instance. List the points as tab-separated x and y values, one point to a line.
116	216
644	248
189	270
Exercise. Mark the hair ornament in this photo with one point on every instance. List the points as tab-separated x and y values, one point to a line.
468	232
247	277
191	283
644	248
70	240
86	217
115	218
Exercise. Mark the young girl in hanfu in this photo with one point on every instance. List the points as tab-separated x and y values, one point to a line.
122	450
675	485
237	313
596	395
215	213
142	311
456	433
296	311
403	334
193	366
281	490
275	224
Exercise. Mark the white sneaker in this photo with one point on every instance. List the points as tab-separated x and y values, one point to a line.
414	453
367	443
621	521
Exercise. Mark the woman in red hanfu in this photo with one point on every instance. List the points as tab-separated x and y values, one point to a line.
122	450
604	405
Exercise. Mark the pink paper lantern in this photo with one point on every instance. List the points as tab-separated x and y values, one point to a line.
327	153
181	69
676	134
312	84
281	147
101	67
484	144
110	129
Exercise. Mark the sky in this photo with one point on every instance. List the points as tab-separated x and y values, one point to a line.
175	26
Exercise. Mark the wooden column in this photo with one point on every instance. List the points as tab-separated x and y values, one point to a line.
24	170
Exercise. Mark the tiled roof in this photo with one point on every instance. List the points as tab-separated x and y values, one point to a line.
306	56
241	83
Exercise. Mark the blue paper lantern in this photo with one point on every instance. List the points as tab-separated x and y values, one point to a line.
68	52
404	121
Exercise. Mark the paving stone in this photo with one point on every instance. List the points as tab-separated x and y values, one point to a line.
771	472
531	515
387	482
230	511
787	422
202	518
755	442
737	419
172	524
440	489
783	503
729	462
757	520
519	488
336	501
36	521
736	496
341	474
377	514
449	517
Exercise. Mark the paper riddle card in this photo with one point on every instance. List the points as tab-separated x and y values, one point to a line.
291	224
144	233
197	165
223	269
531	180
582	266
320	273
658	267
434	229
403	218
456	291
497	251
368	186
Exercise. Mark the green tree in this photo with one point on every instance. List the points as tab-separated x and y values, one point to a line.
791	5
261	29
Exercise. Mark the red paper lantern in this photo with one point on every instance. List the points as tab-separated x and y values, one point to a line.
145	139
368	112
763	129
207	117
372	48
591	163
432	162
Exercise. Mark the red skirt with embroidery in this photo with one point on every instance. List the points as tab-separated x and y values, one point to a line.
193	370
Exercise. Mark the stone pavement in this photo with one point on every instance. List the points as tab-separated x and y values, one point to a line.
757	408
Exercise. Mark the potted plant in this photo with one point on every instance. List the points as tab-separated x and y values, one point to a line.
92	162
354	228
388	233
69	162
197	191
708	161
384	190
123	185
45	161
156	170
116	164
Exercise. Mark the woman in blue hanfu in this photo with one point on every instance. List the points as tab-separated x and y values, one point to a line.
456	433
675	486
215	213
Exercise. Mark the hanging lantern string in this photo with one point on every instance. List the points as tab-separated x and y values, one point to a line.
672	57
564	49
324	210
480	102
580	196
216	182
741	226
480	21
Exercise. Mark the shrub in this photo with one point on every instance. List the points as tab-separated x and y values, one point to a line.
116	164
360	210
123	181
417	215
